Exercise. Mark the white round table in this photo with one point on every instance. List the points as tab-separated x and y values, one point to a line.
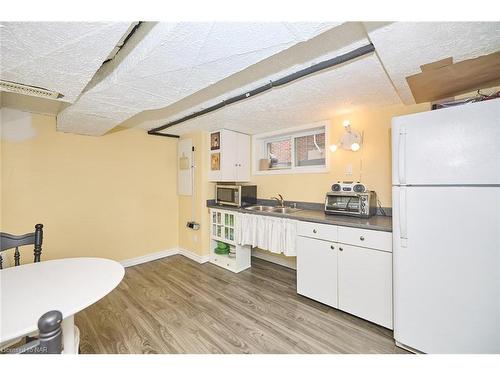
68	285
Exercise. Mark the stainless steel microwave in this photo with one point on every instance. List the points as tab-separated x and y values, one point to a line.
353	204
236	195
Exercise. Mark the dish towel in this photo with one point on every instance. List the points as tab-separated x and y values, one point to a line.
274	234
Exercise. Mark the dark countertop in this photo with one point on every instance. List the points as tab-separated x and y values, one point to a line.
378	222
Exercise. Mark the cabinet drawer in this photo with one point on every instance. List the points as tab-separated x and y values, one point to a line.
366	238
321	231
223	261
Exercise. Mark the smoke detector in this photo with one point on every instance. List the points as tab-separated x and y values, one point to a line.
29	90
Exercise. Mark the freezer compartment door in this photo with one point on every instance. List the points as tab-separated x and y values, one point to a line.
446	253
451	146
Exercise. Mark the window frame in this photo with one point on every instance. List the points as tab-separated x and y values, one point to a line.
266	141
260	141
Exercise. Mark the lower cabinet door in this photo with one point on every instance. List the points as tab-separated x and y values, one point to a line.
317	270
365	283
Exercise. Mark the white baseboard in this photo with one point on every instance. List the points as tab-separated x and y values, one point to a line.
289	262
149	257
191	255
165	253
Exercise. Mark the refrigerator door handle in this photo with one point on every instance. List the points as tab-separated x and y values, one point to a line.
402	155
403	225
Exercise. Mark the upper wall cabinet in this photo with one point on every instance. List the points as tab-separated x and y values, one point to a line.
229	156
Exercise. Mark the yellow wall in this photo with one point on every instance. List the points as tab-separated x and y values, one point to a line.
374	156
371	165
113	196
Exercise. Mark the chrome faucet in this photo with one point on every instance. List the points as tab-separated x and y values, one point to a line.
281	201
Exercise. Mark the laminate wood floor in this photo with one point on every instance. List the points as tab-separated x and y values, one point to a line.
175	305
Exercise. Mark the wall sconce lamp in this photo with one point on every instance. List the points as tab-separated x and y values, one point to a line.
350	140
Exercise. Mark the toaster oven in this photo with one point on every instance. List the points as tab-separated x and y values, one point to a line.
351	203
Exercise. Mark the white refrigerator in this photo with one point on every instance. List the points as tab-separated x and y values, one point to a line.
446	229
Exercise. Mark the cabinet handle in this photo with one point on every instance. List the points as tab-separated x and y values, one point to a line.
362	238
332	247
314	231
341	249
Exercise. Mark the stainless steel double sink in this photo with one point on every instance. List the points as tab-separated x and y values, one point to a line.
277	210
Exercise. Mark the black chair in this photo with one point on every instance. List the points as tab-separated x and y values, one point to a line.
49	340
10	241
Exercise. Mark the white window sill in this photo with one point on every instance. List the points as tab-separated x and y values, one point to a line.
291	171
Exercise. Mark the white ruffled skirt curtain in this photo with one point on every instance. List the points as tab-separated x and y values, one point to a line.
274	234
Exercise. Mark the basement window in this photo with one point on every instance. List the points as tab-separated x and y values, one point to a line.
279	153
295	150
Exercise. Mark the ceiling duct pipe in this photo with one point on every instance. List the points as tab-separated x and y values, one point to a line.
358	52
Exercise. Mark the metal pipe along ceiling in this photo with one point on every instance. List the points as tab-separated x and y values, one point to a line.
354	54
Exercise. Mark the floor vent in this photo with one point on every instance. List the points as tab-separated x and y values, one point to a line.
28	90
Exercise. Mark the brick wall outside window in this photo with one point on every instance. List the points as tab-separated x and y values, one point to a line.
309	150
306	144
282	150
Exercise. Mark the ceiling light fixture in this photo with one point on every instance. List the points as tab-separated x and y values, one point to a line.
350	140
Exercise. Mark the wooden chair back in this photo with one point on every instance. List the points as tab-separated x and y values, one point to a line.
11	241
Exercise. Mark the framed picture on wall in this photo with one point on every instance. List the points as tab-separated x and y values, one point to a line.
215	141
215	161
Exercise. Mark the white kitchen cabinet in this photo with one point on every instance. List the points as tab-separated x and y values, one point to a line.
223	224
317	270
242	157
365	283
346	268
233	157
